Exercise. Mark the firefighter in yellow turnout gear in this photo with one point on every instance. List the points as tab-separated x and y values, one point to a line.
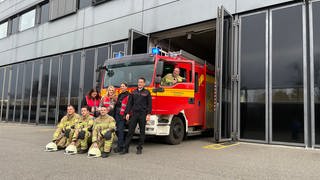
103	133
172	79
65	129
83	128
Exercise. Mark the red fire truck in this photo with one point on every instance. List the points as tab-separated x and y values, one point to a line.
178	110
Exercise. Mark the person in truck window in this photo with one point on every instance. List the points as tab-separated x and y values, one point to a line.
109	100
172	78
92	99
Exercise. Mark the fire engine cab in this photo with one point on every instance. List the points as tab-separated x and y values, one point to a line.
178	110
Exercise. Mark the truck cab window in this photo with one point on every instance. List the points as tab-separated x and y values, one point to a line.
173	74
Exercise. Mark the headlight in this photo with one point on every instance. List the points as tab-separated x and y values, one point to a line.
153	119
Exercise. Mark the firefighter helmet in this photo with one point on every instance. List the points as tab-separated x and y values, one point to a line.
51	146
71	149
94	152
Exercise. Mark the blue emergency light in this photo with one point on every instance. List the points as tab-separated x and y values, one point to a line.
155	51
118	55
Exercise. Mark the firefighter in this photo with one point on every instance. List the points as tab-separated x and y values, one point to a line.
63	135
109	100
92	99
172	78
121	109
103	133
140	105
83	129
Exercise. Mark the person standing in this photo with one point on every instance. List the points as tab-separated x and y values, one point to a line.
141	107
92	99
121	109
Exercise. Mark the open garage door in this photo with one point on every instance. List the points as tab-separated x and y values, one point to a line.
223	73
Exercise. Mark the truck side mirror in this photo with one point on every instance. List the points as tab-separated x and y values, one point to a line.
99	71
159	69
157	80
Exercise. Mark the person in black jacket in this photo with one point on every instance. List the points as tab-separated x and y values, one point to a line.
140	106
120	111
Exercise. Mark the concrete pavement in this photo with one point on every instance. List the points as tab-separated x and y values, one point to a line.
22	156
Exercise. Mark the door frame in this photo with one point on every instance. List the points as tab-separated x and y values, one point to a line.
218	74
266	77
305	83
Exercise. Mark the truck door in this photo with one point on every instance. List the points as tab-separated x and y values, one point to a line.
223	70
199	95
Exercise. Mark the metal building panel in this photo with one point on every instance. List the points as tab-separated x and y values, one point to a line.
111	31
247	5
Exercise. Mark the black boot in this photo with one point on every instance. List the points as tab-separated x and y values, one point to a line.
124	151
139	150
105	154
117	150
82	151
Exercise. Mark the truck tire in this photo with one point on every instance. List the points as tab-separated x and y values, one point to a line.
177	131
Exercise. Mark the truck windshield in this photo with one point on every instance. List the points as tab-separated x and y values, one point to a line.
129	73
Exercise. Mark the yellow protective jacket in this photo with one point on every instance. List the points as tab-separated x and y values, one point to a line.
84	124
66	123
101	125
168	80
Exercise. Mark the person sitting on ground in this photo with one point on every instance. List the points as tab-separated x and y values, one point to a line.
62	137
82	135
172	78
103	133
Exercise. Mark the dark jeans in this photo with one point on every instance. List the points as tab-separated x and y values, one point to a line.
137	117
120	123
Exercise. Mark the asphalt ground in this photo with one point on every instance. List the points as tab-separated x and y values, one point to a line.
22	156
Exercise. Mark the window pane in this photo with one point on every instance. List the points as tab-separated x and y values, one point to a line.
253	70
27	91
35	88
1	84
287	75
75	79
89	70
12	91
117	50
3	30
44	14
44	90
84	3
102	55
53	90
27	20
316	55
2	71
64	89
5	93
19	99
15	25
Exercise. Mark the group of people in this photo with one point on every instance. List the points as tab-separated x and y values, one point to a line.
103	120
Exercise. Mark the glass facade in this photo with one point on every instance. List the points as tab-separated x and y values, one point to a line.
287	75
12	94
253	77
316	69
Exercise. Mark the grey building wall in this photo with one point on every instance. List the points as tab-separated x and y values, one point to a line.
108	22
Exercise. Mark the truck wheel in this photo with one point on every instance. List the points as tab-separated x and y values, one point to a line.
176	131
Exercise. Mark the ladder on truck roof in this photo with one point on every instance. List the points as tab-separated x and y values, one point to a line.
190	56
